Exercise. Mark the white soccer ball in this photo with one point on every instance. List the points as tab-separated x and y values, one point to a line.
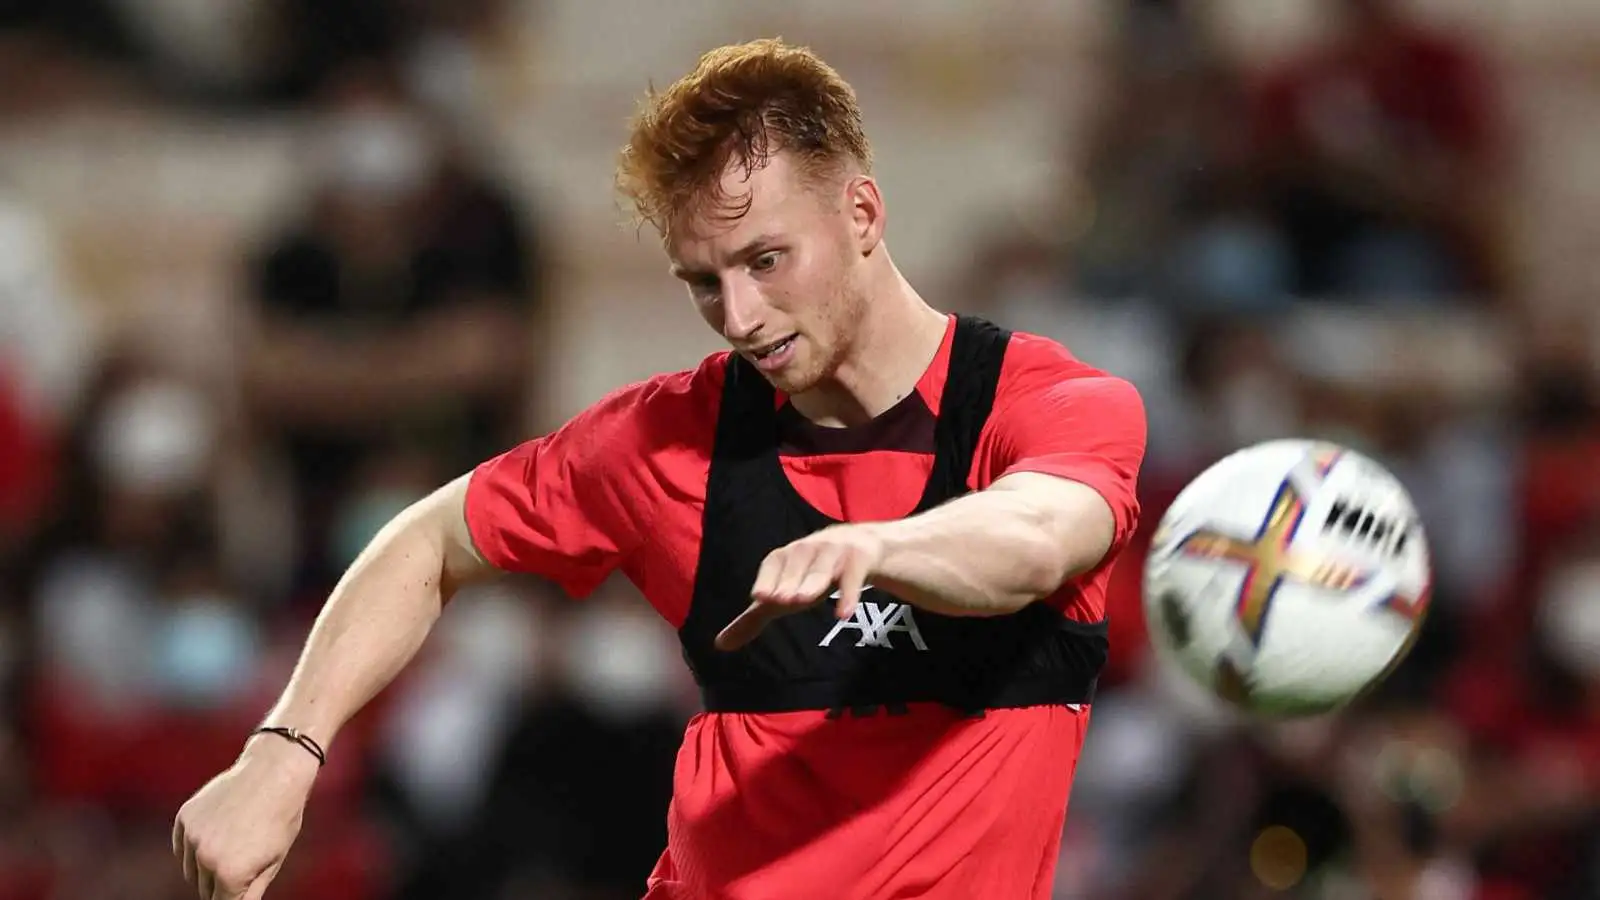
1288	578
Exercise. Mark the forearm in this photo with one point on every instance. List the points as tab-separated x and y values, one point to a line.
376	618
995	551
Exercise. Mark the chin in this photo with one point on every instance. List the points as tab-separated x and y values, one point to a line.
792	381
799	376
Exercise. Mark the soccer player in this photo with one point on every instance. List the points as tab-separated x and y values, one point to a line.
882	533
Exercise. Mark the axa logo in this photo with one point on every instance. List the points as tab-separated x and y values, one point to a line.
874	622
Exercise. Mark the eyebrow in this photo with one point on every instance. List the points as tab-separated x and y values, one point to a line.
751	248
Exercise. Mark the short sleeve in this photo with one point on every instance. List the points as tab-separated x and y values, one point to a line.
1057	416
564	506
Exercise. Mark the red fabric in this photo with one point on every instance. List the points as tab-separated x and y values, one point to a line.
26	874
135	761
1560	492
1559	502
26	463
337	857
1130	634
927	804
622	485
1422	85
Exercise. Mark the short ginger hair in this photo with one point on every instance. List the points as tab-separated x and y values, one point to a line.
742	104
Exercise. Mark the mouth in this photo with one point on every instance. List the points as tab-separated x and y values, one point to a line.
772	349
773	357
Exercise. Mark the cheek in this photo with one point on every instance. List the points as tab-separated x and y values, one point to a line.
822	294
839	302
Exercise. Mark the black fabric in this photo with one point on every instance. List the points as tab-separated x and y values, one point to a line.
906	427
1033	657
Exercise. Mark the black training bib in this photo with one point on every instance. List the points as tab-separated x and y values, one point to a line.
889	654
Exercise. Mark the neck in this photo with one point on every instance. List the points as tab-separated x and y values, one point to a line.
897	338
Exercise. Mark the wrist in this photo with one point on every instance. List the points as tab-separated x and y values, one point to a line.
297	737
279	753
891	537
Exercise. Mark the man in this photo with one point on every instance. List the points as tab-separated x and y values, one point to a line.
405	246
895	615
1383	151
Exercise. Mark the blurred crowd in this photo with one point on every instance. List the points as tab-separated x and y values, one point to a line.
1325	244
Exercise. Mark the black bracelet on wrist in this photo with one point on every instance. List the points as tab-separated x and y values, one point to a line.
294	735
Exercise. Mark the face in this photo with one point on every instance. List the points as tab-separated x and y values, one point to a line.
783	283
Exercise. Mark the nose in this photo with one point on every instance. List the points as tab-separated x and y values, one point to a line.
743	309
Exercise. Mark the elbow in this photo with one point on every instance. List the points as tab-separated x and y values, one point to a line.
1046	569
1037	569
1052	555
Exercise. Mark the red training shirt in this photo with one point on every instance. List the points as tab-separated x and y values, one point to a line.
777	805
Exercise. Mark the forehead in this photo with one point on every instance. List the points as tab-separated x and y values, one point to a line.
780	198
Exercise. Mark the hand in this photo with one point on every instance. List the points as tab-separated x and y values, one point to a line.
800	575
234	833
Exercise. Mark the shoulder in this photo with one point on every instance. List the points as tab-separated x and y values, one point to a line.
1038	369
643	433
1028	351
686	392
670	408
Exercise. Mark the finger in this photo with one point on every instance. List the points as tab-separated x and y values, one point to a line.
767	576
189	865
207	883
258	888
800	585
852	580
747	625
819	577
177	837
792	564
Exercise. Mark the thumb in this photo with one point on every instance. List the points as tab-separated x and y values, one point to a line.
747	626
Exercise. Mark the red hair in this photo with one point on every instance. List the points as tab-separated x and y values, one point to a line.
742	104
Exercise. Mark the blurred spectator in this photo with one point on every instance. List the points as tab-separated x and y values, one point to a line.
45	347
1532	708
520	748
318	40
1560	367
91	27
25	471
396	321
133	520
1384	152
1171	209
225	52
146	664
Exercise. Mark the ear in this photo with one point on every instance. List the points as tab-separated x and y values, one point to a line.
867	215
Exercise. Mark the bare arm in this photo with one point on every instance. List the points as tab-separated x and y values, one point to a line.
1072	444
997	550
987	554
380	613
235	832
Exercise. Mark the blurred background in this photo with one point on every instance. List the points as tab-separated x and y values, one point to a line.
272	269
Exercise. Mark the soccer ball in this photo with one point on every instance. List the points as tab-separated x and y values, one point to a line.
1288	578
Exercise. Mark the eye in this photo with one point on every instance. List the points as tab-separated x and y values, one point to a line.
766	262
705	288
